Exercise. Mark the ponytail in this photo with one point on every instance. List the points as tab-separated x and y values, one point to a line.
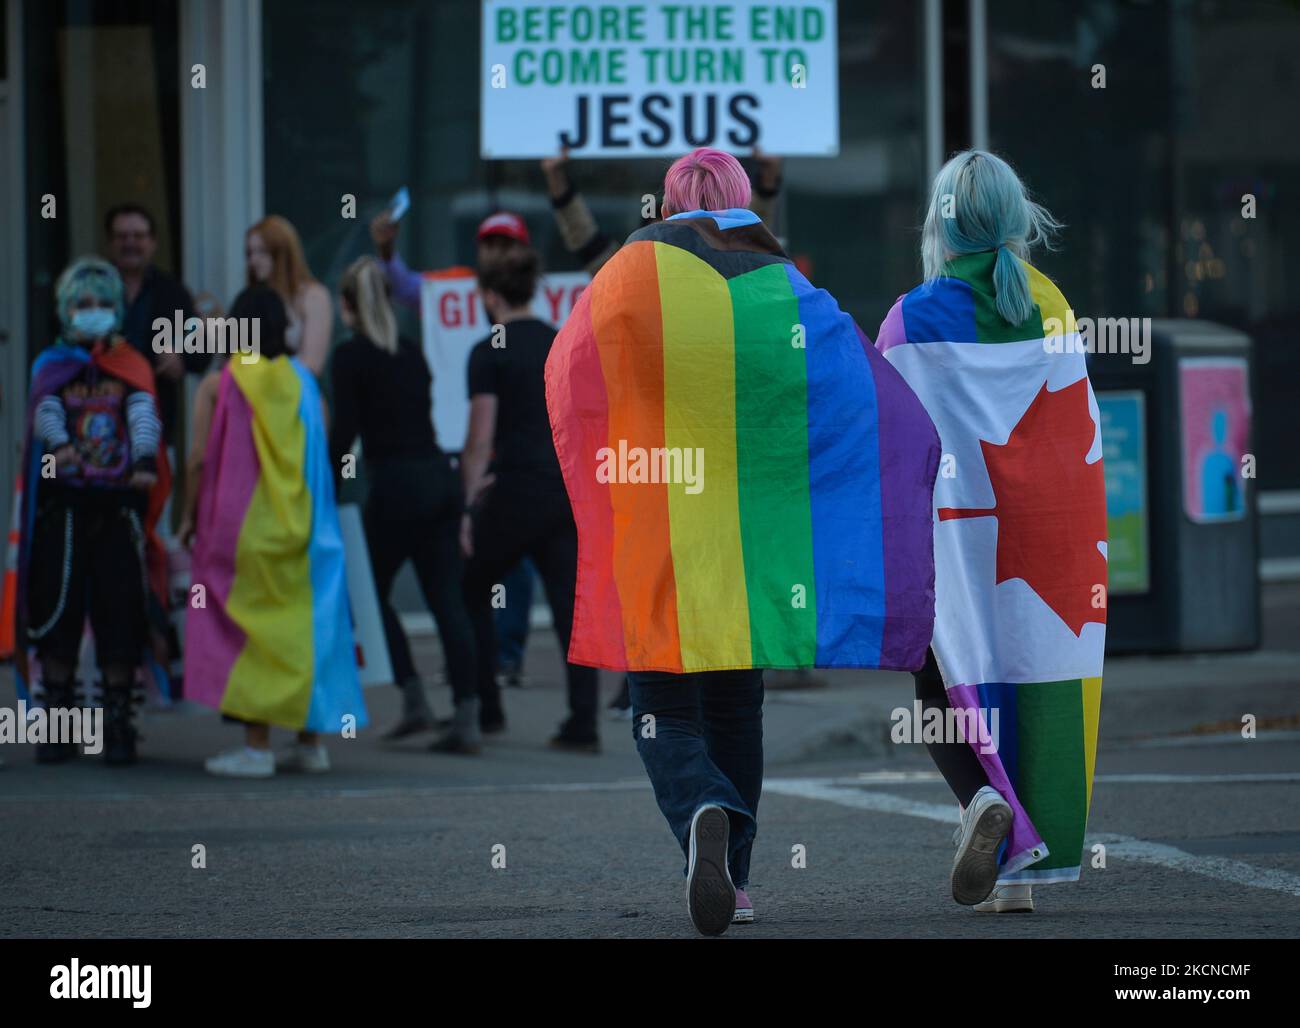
1011	284
365	288
986	208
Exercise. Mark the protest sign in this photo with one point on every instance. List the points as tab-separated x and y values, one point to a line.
640	79
453	320
373	664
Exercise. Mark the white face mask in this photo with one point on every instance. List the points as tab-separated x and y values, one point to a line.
93	322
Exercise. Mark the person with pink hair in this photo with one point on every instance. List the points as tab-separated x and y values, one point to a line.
592	248
705	755
705	180
685	337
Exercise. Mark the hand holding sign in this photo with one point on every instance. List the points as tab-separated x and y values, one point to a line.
557	176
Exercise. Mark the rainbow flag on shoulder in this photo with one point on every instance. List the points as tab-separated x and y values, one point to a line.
1020	544
751	481
273	640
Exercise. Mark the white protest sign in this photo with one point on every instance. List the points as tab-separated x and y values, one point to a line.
654	78
373	665
452	320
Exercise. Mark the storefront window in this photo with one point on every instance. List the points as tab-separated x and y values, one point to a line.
103	121
366	100
1149	171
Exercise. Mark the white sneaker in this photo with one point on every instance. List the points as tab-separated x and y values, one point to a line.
1008	899
312	758
984	824
243	762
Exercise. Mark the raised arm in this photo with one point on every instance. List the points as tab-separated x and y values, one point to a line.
582	236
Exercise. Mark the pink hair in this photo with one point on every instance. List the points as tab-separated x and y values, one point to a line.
705	180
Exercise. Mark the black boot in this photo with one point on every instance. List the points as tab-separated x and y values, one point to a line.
59	695
464	735
119	733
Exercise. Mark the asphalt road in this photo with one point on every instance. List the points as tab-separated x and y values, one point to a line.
1201	826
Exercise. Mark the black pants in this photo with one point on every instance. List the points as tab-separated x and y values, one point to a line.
519	517
88	554
413	513
956	760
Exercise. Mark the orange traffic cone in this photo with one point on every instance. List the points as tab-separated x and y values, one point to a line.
9	593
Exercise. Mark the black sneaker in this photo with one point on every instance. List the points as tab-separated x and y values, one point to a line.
710	894
453	742
575	744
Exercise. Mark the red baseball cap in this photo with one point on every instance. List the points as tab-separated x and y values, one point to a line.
503	223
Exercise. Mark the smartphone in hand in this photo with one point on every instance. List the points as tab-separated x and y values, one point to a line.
399	204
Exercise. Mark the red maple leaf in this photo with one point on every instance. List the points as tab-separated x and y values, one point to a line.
1050	504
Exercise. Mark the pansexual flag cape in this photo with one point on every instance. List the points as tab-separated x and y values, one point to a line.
273	643
751	481
1020	544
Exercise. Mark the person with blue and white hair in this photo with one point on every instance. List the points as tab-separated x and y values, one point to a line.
95	481
988	344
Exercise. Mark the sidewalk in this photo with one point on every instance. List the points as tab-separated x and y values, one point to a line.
1142	696
849	718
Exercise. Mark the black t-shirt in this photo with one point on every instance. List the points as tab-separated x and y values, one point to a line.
383	397
515	374
161	296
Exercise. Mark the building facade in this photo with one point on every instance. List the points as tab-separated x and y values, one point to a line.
1142	125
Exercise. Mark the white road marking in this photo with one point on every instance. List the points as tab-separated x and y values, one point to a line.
1155	778
1126	778
274	791
847	792
1124	847
1218	739
829	790
1234	871
277	789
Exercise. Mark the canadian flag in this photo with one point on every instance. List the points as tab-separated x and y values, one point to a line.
1020	514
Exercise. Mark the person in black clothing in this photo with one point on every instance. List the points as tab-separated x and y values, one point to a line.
518	504
381	391
151	294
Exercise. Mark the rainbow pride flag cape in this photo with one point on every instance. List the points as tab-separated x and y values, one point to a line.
751	481
1020	545
273	641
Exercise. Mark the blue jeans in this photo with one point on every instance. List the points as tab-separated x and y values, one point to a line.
706	748
512	619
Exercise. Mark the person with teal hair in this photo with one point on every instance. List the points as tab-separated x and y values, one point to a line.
1019	534
996	216
95	481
